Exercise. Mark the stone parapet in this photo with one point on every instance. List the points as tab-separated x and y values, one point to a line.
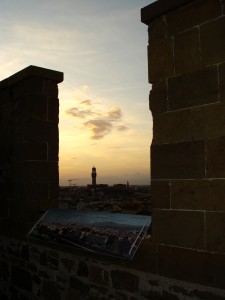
29	108
186	58
37	271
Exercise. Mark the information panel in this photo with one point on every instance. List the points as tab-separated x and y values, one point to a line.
106	233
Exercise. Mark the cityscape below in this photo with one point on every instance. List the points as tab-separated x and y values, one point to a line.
118	198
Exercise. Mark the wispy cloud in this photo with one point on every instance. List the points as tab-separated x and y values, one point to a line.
80	113
99	128
122	127
86	102
114	114
98	121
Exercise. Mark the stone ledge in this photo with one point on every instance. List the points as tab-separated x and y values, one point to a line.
32	71
160	7
146	249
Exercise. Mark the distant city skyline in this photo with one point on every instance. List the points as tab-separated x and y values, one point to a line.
110	180
101	46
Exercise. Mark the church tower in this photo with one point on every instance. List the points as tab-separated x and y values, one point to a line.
93	176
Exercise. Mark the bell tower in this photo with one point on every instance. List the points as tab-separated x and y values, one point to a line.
93	176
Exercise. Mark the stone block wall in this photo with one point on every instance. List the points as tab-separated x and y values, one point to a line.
36	272
29	109
186	67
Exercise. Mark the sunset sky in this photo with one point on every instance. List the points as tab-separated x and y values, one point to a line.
101	47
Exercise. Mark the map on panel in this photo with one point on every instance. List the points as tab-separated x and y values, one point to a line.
107	233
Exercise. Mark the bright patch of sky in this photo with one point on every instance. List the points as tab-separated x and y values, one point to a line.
101	46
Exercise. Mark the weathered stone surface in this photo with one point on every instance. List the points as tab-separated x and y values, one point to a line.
37	190
68	263
32	267
154	282
124	281
178	228
158	8
100	290
47	171
36	279
158	98
223	6
193	89
178	161
202	128
3	296
187	51
46	203
26	132
170	296
79	285
27	87
157	30
82	270
198	194
215	158
43	274
53	191
53	109
53	151
50	291
184	264
13	250
34	250
43	259
25	252
222	81
50	88
35	72
5	95
151	294
215	228
133	298
98	275
181	290
216	268
61	279
212	37
192	266
21	278
36	130
31	106
72	294
160	193
53	261
53	253
193	14
172	127
120	296
97	297
148	250
17	133
31	151
6	113
5	271
160	60
205	295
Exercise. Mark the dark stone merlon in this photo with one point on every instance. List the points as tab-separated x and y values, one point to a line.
159	8
29	179
32	71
